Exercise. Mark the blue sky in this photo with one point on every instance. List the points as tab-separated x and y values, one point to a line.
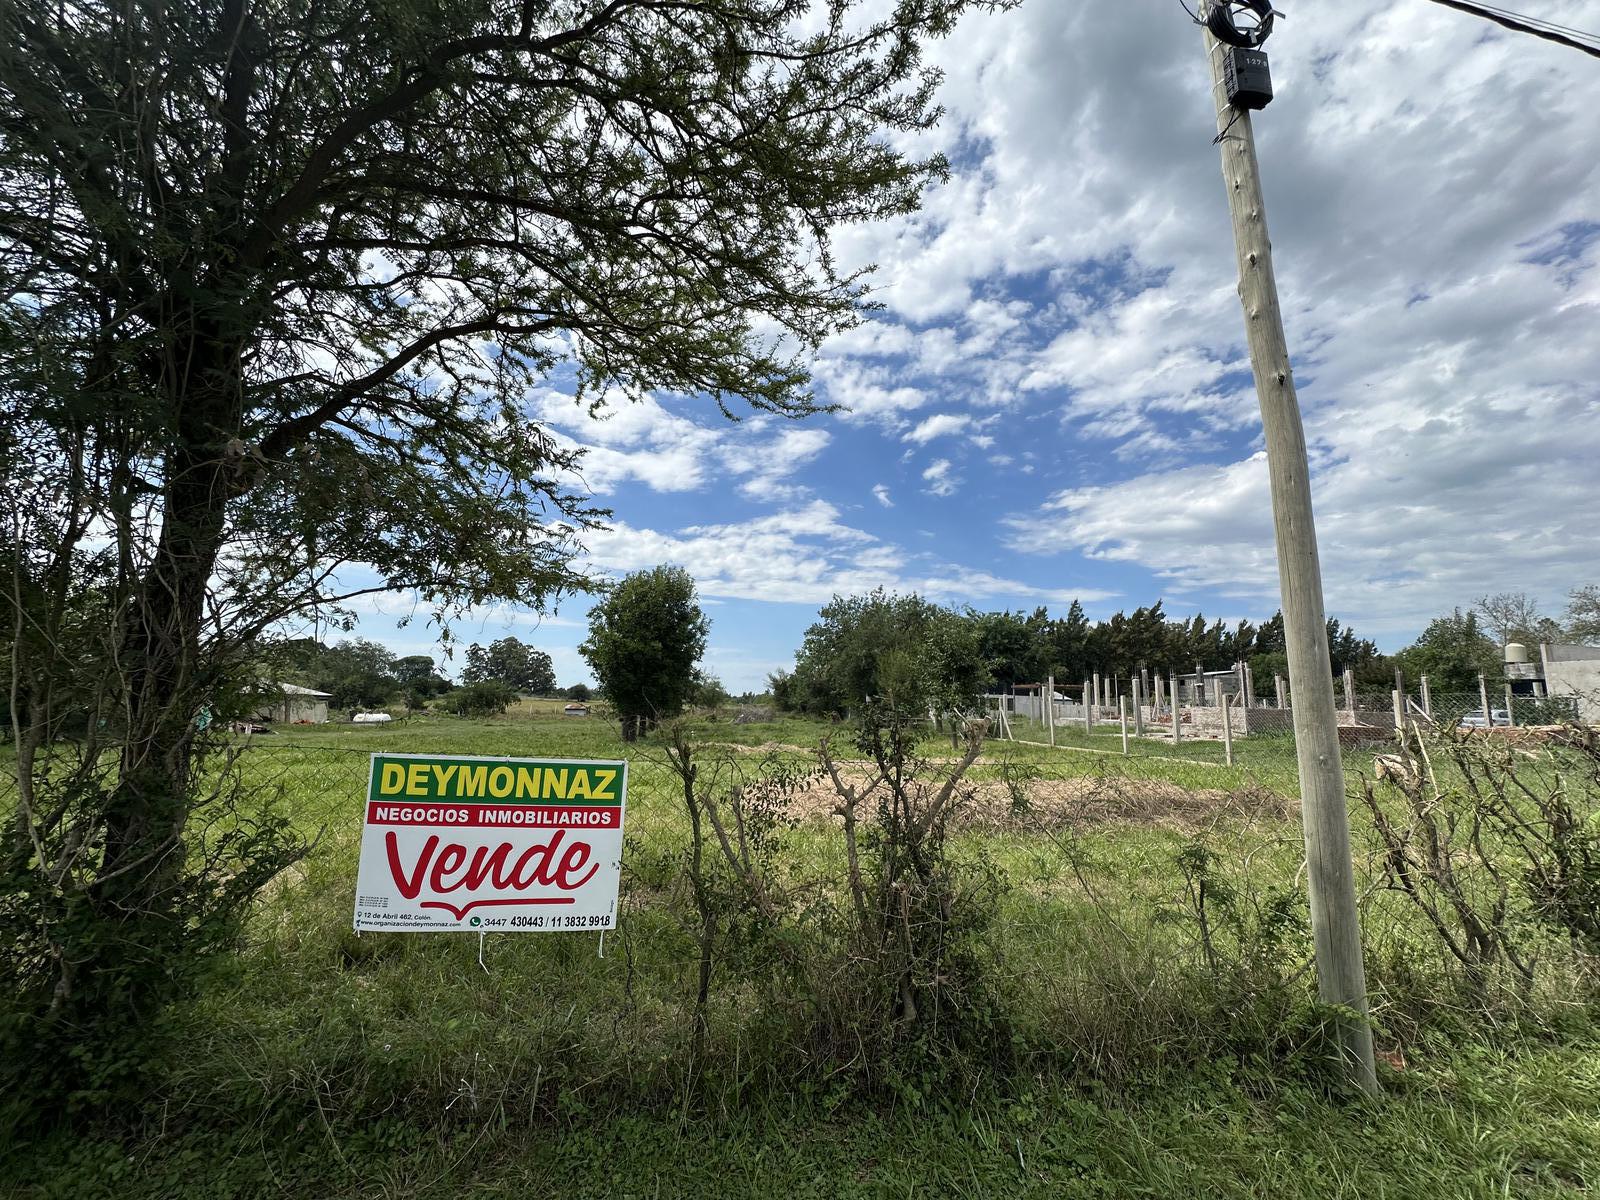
1056	401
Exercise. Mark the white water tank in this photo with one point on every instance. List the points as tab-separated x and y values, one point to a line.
1516	652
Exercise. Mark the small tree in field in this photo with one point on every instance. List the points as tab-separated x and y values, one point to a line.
645	641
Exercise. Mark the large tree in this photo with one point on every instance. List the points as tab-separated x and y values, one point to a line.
644	646
513	662
277	277
884	647
1452	651
1583	613
1516	617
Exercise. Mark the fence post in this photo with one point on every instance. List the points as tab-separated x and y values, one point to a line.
1138	706
1249	687
1350	693
1399	711
1277	686
1227	732
1122	712
1050	707
1427	699
1088	712
1097	694
1175	734
1483	699
1511	712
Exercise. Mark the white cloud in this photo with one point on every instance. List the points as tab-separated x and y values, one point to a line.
1440	308
645	441
939	478
806	555
939	425
865	392
881	494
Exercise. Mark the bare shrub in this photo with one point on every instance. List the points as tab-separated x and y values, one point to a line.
1497	846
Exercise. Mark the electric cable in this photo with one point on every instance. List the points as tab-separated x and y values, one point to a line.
1220	20
1522	26
1540	21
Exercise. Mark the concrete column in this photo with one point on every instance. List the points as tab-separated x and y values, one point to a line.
1350	694
1050	707
1175	734
1122	714
1249	687
1427	698
1227	733
1483	699
1277	686
1138	705
1088	708
1097	692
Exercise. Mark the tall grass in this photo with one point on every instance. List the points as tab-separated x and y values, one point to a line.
1146	929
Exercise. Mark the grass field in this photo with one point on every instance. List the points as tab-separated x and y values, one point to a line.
1134	1060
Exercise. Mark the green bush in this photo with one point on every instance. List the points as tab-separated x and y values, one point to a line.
488	698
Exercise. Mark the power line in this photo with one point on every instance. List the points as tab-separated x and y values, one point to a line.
1521	25
1543	24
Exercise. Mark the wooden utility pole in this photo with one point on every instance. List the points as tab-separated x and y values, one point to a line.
1335	919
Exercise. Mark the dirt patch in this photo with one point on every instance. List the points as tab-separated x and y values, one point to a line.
763	748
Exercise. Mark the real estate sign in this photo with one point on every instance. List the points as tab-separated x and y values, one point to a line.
490	844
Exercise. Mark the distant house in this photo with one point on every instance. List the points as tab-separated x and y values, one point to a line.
295	703
1571	671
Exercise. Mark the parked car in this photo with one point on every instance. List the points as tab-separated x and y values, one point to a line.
1474	718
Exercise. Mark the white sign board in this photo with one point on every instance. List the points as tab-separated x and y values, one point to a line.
490	844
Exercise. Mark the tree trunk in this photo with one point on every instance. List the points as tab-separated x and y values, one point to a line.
165	680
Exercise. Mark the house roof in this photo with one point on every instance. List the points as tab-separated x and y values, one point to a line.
294	689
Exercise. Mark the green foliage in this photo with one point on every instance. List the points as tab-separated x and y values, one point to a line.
87	972
1013	646
487	698
317	1061
419	677
514	663
901	649
837	664
285	276
578	691
356	673
708	692
645	641
1583	614
1452	652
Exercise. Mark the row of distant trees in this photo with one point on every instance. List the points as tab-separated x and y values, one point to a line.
359	673
646	638
1458	647
907	648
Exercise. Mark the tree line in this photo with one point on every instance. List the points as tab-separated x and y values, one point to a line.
359	673
906	647
884	645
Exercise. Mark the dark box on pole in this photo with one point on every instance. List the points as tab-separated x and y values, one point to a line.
1246	76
